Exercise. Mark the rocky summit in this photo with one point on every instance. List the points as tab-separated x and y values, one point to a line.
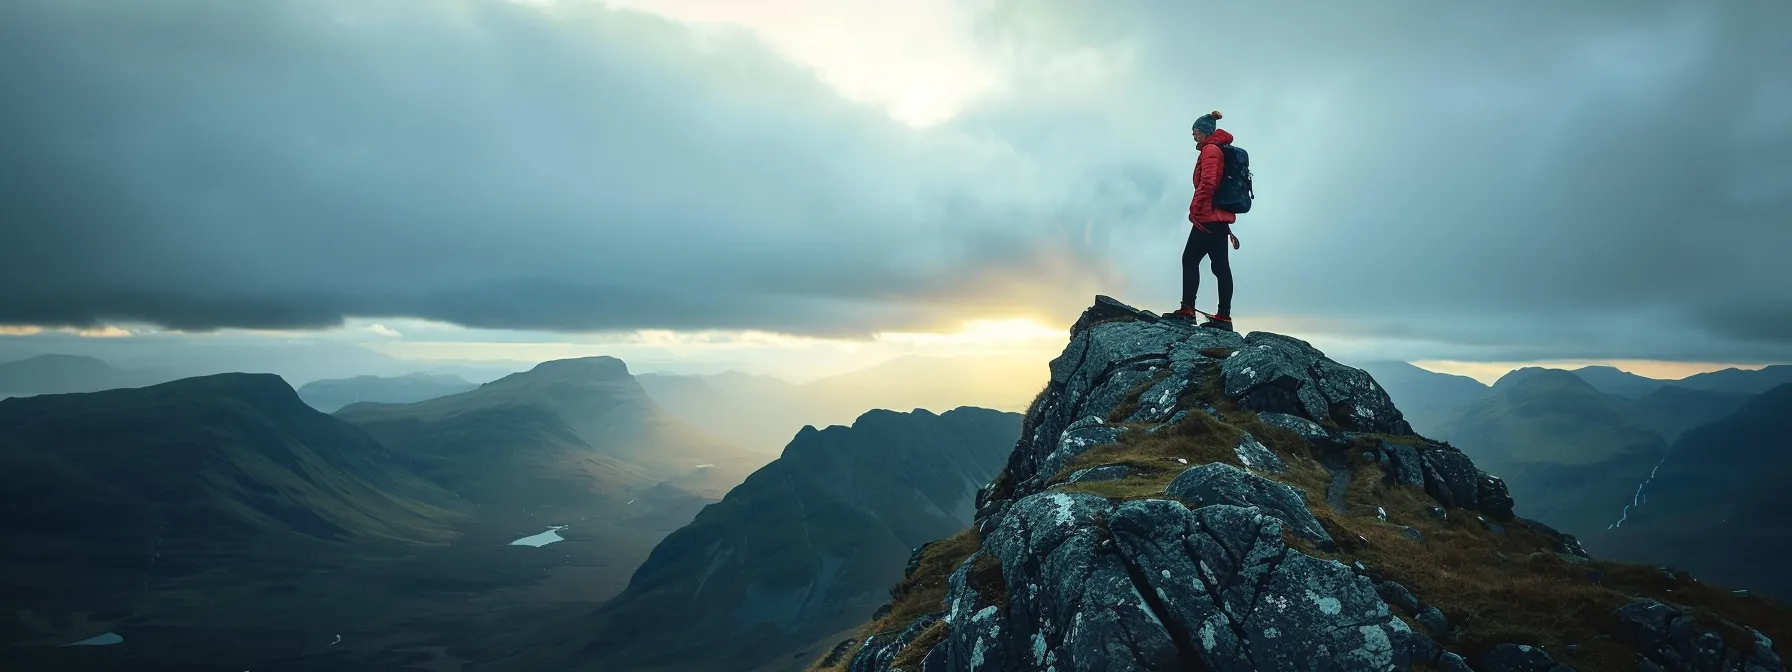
1183	498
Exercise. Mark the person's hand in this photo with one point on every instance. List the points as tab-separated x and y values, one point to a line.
1234	240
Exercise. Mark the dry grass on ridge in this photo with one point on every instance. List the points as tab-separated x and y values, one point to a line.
1494	587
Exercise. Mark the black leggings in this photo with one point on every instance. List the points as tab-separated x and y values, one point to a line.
1212	244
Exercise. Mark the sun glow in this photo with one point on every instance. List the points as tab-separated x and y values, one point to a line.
982	332
918	60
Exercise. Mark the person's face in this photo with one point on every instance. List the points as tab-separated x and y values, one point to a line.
1199	136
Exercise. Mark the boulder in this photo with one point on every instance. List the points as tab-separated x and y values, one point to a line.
1238	598
1398	595
1109	309
1072	582
1673	639
1451	478
1308	429
1070	597
1257	457
1355	400
1403	465
1079	438
1219	483
1433	619
1493	498
1264	378
1279	374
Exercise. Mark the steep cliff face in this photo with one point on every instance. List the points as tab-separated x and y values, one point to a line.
1190	499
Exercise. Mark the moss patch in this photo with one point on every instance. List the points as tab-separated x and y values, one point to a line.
1494	587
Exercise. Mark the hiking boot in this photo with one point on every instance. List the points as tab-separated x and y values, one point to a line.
1218	322
1182	314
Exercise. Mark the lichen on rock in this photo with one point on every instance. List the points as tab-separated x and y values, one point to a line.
1217	567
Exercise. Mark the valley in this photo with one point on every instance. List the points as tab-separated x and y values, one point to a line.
560	517
221	523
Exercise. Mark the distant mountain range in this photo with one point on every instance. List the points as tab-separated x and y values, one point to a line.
762	412
804	549
1718	501
1570	453
221	522
1427	398
134	499
1437	399
64	373
331	395
224	521
569	434
60	374
1572	445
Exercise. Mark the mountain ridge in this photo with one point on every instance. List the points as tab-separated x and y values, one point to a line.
120	495
333	394
1713	502
1186	498
805	547
62	374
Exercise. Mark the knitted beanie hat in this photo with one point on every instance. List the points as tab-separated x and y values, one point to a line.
1207	123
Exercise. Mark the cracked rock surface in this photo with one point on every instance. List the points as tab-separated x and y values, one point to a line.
1155	585
1210	574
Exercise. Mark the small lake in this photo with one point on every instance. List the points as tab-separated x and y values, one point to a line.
543	539
107	639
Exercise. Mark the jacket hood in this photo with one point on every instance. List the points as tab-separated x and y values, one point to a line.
1219	137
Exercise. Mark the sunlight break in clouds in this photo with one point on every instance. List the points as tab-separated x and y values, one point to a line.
917	59
794	358
564	167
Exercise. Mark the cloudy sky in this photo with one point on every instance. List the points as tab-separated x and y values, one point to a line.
801	187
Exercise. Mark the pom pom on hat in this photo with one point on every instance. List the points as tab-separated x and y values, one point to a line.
1207	122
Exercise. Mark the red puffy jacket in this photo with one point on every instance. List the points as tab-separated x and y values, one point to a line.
1207	179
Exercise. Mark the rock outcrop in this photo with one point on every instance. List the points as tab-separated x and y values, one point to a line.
1191	499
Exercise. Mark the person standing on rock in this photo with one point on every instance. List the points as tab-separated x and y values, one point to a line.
1212	226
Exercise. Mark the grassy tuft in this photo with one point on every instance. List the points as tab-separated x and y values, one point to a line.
1494	587
1130	403
911	657
925	591
1511	587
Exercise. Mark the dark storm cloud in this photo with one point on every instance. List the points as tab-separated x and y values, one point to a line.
1542	177
199	164
1535	179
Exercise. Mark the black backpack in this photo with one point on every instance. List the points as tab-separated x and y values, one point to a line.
1234	193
